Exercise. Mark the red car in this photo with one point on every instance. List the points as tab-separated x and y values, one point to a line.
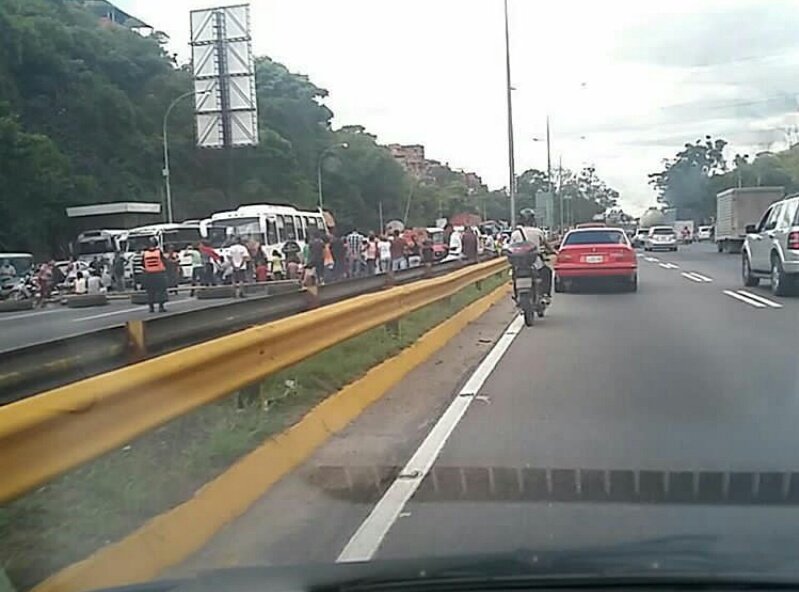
596	253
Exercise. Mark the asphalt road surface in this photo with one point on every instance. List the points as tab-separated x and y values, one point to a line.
619	417
35	326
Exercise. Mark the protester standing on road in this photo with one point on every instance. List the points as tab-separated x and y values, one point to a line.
355	246
209	258
384	252
239	256
45	278
398	261
469	244
276	265
118	274
196	257
316	257
172	269
370	254
154	277
339	252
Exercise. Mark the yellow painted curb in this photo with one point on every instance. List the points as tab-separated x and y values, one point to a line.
171	537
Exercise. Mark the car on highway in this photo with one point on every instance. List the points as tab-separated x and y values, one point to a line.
771	248
704	233
639	236
660	237
596	253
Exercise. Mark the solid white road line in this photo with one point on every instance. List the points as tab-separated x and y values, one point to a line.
107	314
367	539
691	277
765	301
30	314
742	298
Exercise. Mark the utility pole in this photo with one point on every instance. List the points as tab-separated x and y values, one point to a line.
511	163
549	159
560	189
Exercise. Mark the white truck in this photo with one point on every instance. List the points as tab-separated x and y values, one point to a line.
738	207
684	229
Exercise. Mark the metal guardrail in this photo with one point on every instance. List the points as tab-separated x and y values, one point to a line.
43	436
31	369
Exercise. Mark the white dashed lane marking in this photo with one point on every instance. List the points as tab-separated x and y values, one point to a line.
669	265
766	301
745	299
696	277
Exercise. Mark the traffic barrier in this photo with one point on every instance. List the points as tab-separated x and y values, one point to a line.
169	538
16	305
32	369
45	435
86	300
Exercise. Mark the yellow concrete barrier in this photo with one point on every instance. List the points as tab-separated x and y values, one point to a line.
43	436
173	536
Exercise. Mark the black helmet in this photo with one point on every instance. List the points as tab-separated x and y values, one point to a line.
527	217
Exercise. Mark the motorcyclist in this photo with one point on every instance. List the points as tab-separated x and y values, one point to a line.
527	230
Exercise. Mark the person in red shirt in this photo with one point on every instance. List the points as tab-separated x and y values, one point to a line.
398	261
209	258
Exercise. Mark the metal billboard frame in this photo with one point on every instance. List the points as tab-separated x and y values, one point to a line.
225	103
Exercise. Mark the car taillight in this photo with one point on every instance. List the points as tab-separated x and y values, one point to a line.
625	255
793	240
563	257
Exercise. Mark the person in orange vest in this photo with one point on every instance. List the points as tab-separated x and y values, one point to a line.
155	280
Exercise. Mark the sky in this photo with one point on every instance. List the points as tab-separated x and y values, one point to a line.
625	84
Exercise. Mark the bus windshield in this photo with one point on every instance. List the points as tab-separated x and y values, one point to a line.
95	246
139	242
246	228
180	238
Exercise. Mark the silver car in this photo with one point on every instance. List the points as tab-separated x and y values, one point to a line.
771	248
661	237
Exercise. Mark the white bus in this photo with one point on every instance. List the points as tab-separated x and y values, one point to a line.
105	244
272	226
176	235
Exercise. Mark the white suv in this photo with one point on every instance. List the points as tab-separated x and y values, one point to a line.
771	248
661	237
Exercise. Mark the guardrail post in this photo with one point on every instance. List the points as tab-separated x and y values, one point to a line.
137	345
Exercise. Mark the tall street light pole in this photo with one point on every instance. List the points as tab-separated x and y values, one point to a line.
511	163
165	171
319	169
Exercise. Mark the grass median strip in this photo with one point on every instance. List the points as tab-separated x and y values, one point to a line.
105	500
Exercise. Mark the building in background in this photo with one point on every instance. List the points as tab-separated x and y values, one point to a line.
410	157
110	15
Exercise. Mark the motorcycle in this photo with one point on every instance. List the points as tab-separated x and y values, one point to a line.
527	284
23	288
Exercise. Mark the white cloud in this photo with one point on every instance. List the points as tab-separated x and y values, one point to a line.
432	71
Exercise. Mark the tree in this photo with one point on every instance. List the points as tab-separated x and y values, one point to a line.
685	181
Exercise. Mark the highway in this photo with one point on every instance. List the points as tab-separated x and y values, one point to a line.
55	321
619	417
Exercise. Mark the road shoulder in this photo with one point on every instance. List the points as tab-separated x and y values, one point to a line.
301	519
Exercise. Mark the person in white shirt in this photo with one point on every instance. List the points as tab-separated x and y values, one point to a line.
94	285
238	255
80	286
384	253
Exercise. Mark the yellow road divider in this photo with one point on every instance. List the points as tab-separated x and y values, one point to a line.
46	435
170	538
